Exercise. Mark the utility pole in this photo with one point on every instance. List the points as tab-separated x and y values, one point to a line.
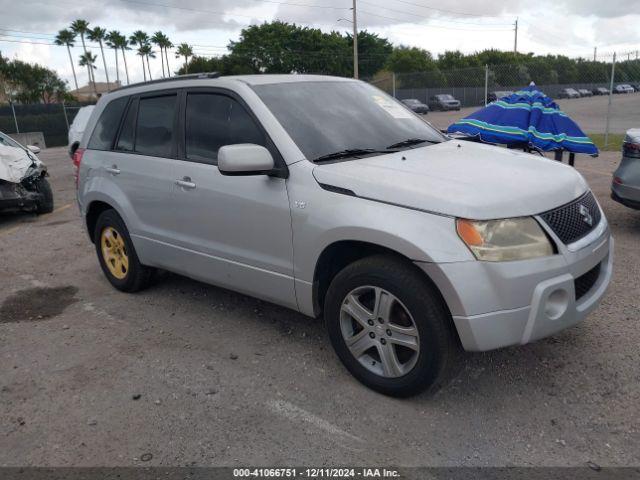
595	53
355	41
515	43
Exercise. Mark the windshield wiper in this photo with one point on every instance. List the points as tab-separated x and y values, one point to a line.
410	141
350	152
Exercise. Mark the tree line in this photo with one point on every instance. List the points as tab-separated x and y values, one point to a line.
280	47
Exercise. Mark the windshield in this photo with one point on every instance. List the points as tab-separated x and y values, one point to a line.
445	97
9	142
327	117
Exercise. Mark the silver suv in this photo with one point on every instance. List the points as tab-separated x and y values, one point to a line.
329	197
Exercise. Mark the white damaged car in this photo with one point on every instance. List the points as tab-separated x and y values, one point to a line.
23	182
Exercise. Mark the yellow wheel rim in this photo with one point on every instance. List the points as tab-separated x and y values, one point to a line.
114	252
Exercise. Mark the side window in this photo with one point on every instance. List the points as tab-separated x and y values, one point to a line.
125	141
154	128
206	125
213	121
105	131
243	128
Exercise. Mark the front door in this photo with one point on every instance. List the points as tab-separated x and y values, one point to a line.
237	229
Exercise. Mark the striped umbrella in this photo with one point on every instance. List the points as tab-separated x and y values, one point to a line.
527	117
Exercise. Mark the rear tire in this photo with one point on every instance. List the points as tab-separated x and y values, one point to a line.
419	361
45	204
117	255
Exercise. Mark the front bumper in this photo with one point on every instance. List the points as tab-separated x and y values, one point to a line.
498	304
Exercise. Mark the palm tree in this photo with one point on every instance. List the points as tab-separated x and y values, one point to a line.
158	39
99	34
185	50
141	39
167	46
148	53
88	60
80	27
67	37
112	42
123	43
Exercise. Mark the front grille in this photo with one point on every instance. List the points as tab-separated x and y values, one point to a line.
585	282
570	222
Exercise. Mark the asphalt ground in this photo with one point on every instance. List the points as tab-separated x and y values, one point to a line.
185	373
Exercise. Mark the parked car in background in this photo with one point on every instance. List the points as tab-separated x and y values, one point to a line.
568	93
444	102
625	187
23	182
600	91
585	93
623	88
409	244
416	105
76	130
498	94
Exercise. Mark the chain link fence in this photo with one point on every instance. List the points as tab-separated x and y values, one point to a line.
603	97
52	119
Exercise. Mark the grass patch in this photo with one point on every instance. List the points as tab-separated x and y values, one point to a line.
614	144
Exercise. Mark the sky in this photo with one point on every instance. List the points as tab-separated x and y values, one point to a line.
569	27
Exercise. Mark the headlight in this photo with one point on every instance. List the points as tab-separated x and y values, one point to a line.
504	240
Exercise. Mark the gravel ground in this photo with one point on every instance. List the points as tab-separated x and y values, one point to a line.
190	374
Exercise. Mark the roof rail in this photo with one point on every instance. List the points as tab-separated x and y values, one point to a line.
190	76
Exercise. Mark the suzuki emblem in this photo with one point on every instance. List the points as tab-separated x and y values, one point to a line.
586	216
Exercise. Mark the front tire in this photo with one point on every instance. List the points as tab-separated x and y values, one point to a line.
45	203
390	327
117	255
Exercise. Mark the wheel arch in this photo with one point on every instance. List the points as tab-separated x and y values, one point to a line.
337	255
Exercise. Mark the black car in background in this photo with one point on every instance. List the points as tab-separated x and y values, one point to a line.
498	94
444	102
416	105
600	91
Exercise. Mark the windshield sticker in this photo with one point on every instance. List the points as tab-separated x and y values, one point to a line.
392	108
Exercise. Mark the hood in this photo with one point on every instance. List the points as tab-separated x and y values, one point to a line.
14	164
459	178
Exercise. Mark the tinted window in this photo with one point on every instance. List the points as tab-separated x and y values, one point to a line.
104	133
213	121
125	141
154	129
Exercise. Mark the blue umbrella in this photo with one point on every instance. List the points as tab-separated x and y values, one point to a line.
527	117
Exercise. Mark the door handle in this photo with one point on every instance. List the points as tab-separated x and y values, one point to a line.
186	183
113	170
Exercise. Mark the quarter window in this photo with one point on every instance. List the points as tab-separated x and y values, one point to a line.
213	121
105	131
154	129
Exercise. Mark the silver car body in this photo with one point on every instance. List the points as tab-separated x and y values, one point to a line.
625	187
265	236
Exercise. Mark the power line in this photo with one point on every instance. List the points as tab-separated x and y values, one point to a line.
428	25
404	12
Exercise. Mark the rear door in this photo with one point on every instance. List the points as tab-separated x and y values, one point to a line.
145	170
238	226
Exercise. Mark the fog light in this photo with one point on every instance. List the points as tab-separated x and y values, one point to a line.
556	304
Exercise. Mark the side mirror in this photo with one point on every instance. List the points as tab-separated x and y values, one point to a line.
33	149
244	159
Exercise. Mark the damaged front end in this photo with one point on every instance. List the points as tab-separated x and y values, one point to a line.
24	195
23	186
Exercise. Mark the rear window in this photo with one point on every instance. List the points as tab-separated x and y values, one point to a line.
154	129
104	133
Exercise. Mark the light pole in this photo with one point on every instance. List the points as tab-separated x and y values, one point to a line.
355	41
